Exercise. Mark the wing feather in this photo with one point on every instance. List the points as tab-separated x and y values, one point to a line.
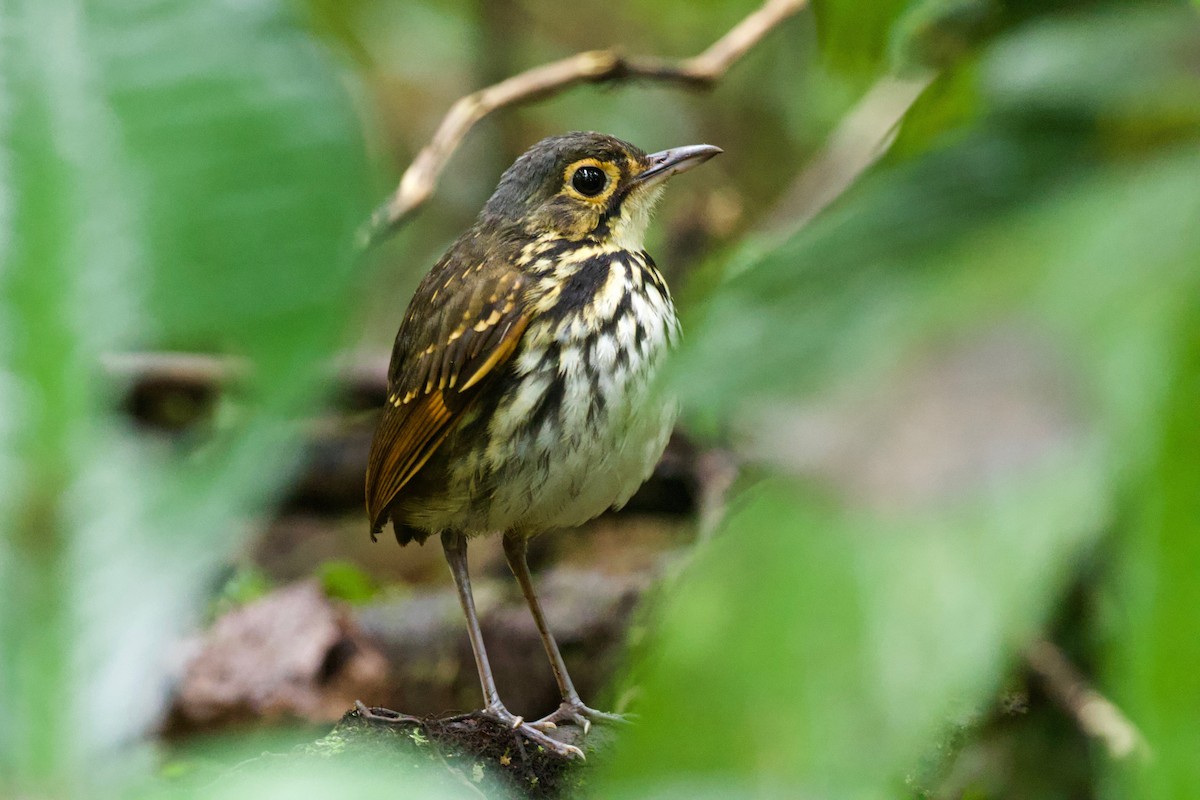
449	345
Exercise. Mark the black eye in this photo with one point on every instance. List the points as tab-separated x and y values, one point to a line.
589	181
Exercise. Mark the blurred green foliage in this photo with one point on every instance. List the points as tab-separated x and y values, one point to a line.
172	175
190	174
346	581
855	36
244	585
830	642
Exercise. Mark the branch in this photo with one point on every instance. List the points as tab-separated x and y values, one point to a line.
177	370
495	757
166	372
175	393
1096	715
699	72
860	139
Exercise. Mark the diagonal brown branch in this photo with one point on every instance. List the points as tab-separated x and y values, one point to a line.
701	71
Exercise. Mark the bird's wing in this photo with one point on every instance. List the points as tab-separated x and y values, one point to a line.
462	327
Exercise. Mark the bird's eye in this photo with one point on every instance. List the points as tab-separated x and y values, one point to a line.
589	181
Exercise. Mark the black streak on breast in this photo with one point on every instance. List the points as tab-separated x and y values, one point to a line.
579	289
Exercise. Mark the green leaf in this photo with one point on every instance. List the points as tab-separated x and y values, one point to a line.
822	649
1126	71
831	634
938	33
344	580
57	149
171	175
854	36
244	585
1159	595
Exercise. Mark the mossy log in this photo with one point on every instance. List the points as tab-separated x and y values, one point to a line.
470	749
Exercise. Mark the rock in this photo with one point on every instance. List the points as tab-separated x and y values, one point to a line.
425	641
292	654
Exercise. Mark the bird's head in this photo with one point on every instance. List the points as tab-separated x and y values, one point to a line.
587	186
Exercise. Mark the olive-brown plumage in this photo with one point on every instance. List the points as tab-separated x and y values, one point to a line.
518	391
464	322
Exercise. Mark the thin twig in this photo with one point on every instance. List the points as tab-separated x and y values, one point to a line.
701	71
1096	715
864	134
201	370
716	471
386	716
165	372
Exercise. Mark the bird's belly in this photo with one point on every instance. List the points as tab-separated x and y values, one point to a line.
562	470
577	429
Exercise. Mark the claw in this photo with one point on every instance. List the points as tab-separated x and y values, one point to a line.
578	714
531	732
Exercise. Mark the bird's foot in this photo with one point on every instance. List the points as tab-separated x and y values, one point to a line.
529	731
579	714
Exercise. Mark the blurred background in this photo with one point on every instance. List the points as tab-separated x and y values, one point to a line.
930	524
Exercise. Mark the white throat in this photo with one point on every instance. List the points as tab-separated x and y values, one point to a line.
629	231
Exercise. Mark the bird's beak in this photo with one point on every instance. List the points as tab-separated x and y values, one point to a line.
666	163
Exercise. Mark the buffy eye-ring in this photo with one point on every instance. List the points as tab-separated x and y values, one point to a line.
589	181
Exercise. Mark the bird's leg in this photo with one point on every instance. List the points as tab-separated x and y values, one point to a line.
572	708
455	546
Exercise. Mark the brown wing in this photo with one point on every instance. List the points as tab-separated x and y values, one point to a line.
464	322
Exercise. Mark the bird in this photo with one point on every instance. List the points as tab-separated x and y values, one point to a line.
520	393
